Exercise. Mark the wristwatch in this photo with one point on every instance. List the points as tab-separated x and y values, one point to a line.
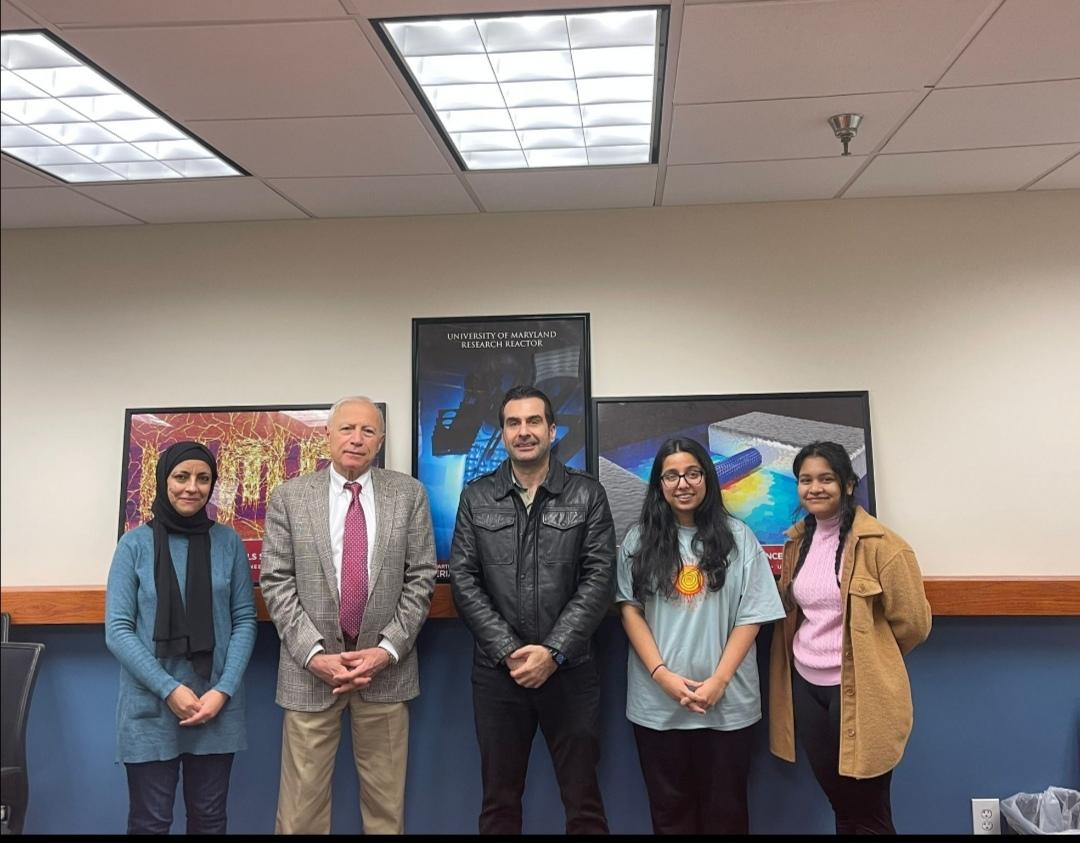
559	658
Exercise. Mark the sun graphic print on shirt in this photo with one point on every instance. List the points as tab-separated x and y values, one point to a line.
689	582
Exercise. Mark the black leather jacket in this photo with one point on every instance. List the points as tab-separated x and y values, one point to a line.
546	577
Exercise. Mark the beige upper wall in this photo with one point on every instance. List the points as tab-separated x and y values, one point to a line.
959	314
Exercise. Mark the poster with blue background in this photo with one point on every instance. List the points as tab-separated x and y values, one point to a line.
462	367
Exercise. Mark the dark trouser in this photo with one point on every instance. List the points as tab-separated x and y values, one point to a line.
862	806
152	790
696	779
567	709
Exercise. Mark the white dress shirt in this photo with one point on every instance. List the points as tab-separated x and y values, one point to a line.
340	498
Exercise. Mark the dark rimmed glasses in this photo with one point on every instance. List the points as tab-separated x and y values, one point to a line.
693	477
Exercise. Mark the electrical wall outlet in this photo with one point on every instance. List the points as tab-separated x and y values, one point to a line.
986	816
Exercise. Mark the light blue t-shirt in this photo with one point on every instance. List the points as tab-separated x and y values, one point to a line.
691	629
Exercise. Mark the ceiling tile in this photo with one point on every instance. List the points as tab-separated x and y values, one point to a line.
995	116
49	207
961	171
554	190
320	68
1063	178
294	91
12	175
196	201
1025	41
433	8
12	18
749	131
743	51
377	196
332	146
758	181
131	12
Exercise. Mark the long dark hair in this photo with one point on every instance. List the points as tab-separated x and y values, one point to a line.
840	463
657	560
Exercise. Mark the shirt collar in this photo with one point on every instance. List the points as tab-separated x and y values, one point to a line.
506	481
337	482
515	482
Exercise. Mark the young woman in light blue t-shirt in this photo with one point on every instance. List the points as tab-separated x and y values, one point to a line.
694	586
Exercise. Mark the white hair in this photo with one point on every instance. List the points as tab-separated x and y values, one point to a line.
355	399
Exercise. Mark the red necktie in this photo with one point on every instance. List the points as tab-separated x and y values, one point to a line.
354	573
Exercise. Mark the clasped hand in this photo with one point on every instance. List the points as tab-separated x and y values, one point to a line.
193	710
694	695
531	665
349	671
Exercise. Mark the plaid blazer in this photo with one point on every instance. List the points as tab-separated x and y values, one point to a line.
300	584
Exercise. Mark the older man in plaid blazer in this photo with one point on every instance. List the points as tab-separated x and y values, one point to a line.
348	570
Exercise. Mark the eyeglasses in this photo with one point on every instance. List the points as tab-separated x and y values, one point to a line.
693	476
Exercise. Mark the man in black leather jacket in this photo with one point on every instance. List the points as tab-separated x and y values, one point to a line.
533	573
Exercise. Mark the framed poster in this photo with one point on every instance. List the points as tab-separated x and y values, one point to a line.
752	439
257	449
462	367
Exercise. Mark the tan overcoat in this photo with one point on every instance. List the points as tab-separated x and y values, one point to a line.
886	615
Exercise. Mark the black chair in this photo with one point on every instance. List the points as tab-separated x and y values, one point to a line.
18	671
5	626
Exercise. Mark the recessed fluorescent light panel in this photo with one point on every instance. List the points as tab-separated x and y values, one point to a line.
67	118
557	89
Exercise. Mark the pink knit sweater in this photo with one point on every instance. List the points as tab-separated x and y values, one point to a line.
819	637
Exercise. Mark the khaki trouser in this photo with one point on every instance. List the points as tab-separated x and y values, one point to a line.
309	744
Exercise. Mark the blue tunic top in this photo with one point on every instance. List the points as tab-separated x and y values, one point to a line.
146	728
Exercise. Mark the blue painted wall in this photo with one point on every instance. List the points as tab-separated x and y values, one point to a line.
997	711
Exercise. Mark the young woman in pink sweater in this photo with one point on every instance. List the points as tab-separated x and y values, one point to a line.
855	606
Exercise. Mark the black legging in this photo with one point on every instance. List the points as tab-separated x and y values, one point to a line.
862	806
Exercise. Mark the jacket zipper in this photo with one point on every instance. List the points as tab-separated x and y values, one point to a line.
537	504
531	515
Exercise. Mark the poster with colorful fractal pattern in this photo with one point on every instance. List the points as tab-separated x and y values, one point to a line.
752	441
257	449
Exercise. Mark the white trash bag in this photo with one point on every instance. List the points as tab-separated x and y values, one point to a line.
1054	811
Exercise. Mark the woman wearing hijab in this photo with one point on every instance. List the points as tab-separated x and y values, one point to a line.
180	618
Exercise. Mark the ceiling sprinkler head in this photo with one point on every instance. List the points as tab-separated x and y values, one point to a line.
845	127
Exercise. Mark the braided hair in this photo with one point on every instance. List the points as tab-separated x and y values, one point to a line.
840	463
656	562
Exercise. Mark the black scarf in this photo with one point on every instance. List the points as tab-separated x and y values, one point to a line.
180	631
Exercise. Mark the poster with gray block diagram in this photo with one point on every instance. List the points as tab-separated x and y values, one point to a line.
752	440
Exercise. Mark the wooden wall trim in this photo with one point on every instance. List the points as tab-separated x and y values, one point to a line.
1003	595
948	596
54	604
